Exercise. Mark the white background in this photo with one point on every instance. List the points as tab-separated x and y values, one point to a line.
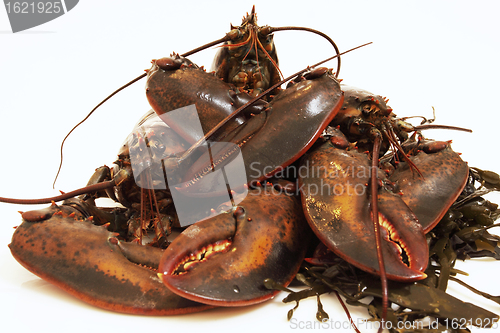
440	53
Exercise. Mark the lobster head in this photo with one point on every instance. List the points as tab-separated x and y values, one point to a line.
248	60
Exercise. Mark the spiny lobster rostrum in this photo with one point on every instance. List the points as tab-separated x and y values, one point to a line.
253	176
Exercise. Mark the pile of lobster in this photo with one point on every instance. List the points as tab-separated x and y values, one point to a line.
353	191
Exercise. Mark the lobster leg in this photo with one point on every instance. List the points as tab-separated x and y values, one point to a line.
89	262
225	260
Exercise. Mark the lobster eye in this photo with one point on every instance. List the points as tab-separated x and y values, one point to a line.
268	42
234	34
265	30
366	108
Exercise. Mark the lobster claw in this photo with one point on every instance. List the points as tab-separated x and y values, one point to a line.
443	175
90	263
337	206
224	260
303	109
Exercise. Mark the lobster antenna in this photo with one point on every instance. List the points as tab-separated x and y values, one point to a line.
90	113
455	128
84	190
376	228
206	46
315	32
253	100
392	139
218	41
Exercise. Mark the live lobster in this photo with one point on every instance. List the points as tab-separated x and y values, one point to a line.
455	192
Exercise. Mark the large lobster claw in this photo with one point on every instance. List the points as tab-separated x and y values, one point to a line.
301	111
336	201
90	263
225	260
443	175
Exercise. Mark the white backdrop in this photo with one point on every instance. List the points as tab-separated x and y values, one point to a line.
424	54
